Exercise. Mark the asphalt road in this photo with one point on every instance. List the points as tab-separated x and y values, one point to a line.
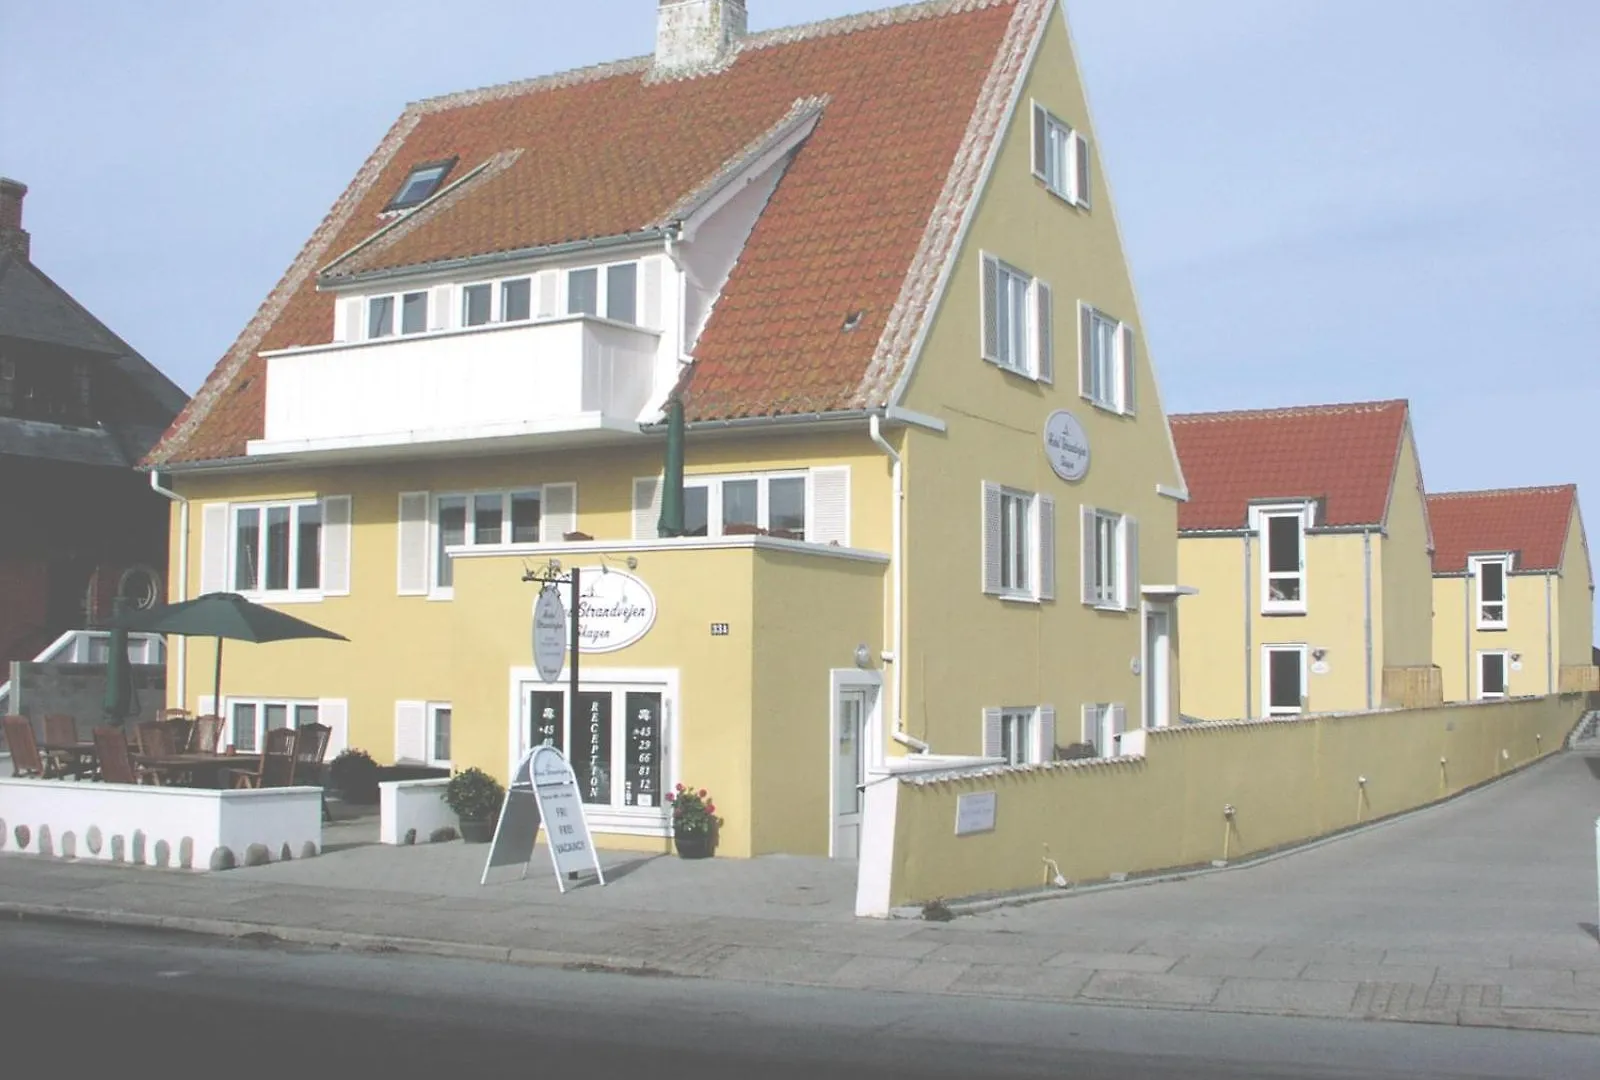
82	999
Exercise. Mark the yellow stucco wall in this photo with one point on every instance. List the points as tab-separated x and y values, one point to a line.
1530	600
1406	567
965	651
1287	780
1575	599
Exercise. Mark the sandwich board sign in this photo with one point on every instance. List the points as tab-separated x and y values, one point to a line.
544	791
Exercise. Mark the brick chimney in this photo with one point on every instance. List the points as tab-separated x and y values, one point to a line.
12	234
693	35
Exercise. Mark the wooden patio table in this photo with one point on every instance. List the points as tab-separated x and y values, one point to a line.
85	759
204	770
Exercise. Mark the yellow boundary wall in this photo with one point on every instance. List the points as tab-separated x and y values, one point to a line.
1286	780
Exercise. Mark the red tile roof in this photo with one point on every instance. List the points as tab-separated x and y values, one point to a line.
863	219
1530	521
1343	454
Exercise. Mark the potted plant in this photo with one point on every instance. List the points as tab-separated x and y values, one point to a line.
475	796
354	775
694	822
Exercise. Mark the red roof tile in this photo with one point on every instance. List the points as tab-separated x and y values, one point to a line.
1530	521
1343	454
862	220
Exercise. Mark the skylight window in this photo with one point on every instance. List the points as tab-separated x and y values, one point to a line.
421	182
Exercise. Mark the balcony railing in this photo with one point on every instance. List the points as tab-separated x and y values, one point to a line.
555	376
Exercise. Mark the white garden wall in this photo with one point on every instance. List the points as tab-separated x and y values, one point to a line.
412	807
184	828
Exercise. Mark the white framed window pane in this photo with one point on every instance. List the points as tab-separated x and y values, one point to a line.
786	507
441	734
274	715
244	727
696	510
1107	562
452	530
475	305
414	313
583	291
380	316
488	511
516	299
1284	679
740	503
246	550
1105	360
525	517
277	554
622	291
308	546
1002	318
304	714
1018	298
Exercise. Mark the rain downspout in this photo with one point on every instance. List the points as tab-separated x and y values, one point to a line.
896	575
1549	641
1366	620
183	579
1466	634
1249	657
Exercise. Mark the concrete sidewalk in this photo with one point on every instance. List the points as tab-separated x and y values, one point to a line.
1477	912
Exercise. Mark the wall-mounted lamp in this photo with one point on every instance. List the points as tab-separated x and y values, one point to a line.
605	563
1319	654
1516	658
1361	781
863	656
1227	811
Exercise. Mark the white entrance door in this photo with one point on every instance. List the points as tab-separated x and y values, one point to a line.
1157	666
849	769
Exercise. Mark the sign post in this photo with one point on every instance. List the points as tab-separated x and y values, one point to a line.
544	792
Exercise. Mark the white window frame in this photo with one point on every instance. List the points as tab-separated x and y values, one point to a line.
432	710
1505	675
602	289
292	593
398	300
291	706
1105	381
1036	339
1479	604
1065	157
1261	518
1023	555
1023	750
436	556
1104	725
1108	581
1267	707
713	484
1038	533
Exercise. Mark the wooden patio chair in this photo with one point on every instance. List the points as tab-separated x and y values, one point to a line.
277	763
25	759
181	729
116	763
206	734
155	740
62	730
310	747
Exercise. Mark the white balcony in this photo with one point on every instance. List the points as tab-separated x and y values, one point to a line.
556	381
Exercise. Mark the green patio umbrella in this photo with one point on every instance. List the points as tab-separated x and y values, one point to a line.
671	520
223	615
118	701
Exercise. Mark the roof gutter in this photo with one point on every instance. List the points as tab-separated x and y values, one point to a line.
497	258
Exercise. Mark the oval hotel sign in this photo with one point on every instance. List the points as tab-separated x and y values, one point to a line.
1066	445
615	610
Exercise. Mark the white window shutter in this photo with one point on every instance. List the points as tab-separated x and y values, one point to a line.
1090	730
1086	545
1130	564
441	310
335	713
214	544
412	557
336	545
350	319
830	506
559	515
1130	371
1085	348
1080	168
1041	140
990	303
650	314
546	284
991	733
410	731
1047	547
1044	333
1047	733
1119	719
991	538
646	507
207	705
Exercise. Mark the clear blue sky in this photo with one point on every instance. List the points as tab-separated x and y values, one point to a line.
1322	201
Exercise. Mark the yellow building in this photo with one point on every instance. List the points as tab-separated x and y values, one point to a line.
1307	535
927	470
1513	593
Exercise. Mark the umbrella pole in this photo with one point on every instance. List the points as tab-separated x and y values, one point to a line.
216	684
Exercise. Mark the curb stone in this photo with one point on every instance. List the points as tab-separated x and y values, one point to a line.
1549	1020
